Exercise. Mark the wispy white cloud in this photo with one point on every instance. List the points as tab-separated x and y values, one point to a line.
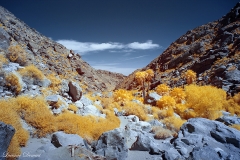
143	46
127	51
135	57
86	47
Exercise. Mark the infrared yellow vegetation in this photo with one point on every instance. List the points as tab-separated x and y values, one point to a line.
17	54
32	71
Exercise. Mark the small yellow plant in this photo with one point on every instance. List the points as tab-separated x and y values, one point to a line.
13	80
17	54
162	89
173	123
190	76
142	77
55	82
32	72
161	133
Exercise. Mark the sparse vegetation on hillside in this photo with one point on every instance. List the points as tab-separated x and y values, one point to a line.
17	54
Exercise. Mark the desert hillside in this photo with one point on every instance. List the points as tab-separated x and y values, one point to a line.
184	105
211	50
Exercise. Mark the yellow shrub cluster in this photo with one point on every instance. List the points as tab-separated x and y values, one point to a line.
8	115
162	89
32	72
190	76
204	101
35	112
17	54
13	80
122	95
89	127
178	94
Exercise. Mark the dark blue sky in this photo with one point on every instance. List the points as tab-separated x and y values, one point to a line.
118	35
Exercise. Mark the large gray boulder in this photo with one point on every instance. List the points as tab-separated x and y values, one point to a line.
152	98
61	139
201	137
6	134
112	145
75	91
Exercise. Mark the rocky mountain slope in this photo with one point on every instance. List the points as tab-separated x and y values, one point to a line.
211	50
52	57
47	109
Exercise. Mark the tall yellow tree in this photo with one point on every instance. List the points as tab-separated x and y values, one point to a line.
143	77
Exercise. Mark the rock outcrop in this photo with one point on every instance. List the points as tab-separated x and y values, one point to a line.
211	50
6	134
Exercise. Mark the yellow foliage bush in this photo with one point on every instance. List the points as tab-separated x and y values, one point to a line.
181	109
32	72
8	115
13	80
36	112
173	123
205	101
17	54
162	89
132	108
149	74
161	133
178	94
87	126
122	95
166	102
140	76
190	76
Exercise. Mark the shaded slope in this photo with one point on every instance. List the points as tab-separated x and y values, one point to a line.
52	57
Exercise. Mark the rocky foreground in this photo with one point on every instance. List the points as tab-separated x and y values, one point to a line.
198	138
